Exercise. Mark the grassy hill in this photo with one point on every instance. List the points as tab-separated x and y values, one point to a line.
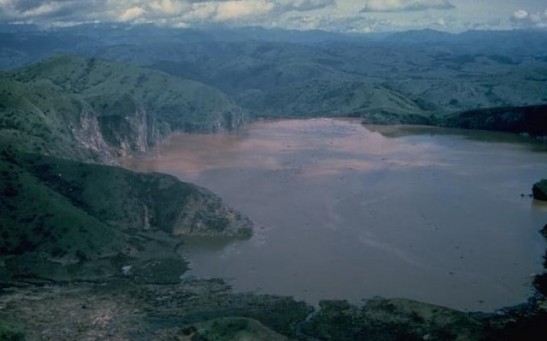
528	119
179	103
63	220
443	79
93	110
276	73
288	80
39	117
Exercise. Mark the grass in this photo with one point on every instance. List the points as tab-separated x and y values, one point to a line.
182	104
9	332
59	215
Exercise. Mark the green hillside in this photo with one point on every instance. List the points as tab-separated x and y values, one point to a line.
331	98
92	110
180	103
64	220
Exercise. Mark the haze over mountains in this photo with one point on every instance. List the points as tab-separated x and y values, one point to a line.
272	73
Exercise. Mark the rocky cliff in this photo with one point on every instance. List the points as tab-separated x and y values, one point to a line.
63	216
177	103
63	220
91	110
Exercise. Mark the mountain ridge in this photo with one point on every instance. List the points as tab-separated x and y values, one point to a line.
99	111
65	216
457	72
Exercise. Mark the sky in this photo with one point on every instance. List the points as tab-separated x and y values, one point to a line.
333	15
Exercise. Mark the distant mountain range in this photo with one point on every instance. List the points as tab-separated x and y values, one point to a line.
280	73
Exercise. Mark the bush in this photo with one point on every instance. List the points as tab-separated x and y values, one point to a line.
10	333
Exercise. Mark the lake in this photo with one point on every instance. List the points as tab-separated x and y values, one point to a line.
345	211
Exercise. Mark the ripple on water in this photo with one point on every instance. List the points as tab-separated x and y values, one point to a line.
347	212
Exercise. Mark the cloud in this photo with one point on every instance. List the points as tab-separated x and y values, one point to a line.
38	10
167	6
405	5
306	5
354	24
131	14
520	14
170	11
529	19
223	11
335	15
231	10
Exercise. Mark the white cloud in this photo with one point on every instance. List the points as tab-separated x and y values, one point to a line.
43	9
405	5
520	14
169	7
536	17
231	10
131	13
215	11
200	12
529	19
304	5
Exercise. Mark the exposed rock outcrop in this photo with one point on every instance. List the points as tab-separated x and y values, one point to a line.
64	220
96	111
124	129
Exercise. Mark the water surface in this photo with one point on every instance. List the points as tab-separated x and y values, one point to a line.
345	212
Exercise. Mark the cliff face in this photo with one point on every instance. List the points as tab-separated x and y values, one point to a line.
179	104
126	126
127	129
64	220
97	111
41	118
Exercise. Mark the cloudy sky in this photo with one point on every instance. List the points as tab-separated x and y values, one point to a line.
336	15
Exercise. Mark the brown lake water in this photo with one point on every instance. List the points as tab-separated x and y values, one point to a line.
346	212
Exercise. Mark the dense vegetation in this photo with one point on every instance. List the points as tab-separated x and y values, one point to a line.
65	219
273	73
92	110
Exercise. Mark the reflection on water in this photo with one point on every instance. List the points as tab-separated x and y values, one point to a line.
345	212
